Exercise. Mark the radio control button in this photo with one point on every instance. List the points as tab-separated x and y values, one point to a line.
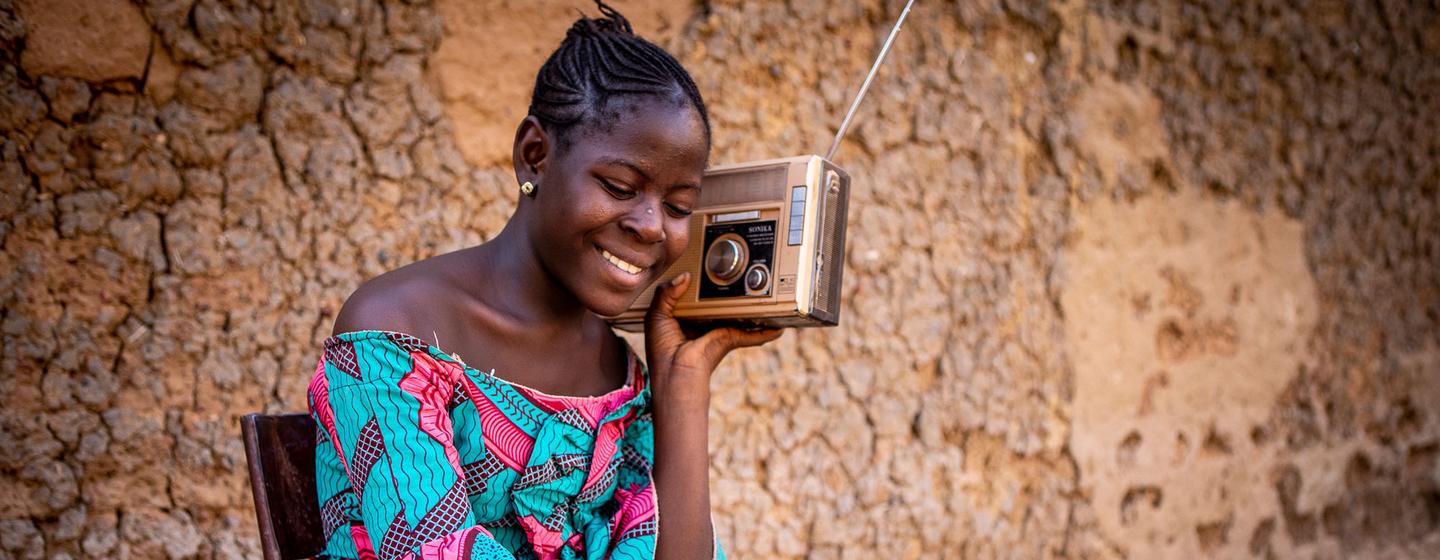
797	215
758	279
723	260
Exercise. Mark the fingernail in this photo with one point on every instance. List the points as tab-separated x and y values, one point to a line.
679	278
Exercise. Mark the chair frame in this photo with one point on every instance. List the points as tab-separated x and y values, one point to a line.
280	453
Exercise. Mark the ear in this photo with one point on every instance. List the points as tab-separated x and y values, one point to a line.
532	148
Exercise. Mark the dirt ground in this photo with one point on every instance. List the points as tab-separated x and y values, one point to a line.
1125	278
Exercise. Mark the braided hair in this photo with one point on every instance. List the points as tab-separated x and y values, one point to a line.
600	61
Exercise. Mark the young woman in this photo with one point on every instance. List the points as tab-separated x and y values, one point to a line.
535	431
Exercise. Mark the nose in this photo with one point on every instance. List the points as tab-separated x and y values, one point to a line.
645	221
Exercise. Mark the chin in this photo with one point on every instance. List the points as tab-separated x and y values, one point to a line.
608	309
609	304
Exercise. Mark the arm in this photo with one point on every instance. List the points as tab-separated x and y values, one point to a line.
680	369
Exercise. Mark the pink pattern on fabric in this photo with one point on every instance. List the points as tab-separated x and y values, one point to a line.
637	505
546	542
594	412
320	407
503	438
454	546
546	511
606	444
607	440
591	408
362	542
430	382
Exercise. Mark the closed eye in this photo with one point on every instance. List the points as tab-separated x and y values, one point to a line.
615	190
678	211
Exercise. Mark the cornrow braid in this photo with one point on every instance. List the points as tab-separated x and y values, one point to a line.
602	59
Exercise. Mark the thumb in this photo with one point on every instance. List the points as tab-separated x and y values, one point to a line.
662	331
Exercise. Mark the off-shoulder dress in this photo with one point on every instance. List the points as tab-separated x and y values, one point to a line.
420	456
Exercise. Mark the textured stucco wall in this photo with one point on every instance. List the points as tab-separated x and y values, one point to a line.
1125	278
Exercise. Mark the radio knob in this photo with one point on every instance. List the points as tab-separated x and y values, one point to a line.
758	279
723	260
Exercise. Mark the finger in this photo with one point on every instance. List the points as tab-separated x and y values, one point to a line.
667	295
745	338
730	338
717	343
694	330
662	331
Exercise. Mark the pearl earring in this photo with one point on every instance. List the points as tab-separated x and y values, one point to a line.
528	189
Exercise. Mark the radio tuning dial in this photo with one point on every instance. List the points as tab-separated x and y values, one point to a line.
758	278
724	260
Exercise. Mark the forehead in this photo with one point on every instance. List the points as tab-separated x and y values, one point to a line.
656	133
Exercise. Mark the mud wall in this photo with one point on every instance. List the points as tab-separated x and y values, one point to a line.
1125	279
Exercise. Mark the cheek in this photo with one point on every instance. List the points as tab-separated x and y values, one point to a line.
677	237
575	214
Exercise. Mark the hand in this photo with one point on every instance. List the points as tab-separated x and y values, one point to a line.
680	364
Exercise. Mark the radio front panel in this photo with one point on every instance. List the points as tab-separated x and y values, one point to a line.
756	247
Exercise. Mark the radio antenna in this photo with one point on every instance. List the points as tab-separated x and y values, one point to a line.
865	86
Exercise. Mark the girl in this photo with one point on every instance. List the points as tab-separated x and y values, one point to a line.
563	445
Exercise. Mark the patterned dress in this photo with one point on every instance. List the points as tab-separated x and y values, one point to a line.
421	456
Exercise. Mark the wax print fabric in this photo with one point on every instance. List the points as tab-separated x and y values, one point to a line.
420	456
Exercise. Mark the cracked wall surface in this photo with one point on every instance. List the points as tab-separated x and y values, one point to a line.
1126	278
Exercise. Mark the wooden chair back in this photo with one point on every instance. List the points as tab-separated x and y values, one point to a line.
280	449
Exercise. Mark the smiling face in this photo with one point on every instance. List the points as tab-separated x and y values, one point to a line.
611	208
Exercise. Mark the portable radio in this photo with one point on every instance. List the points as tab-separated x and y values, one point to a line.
767	239
767	247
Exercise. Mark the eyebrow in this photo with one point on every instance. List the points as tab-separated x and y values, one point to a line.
636	168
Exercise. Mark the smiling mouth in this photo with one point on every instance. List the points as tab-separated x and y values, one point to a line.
620	263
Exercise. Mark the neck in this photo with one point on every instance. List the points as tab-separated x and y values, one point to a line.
515	284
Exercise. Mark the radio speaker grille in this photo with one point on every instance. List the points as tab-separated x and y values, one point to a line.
750	185
832	242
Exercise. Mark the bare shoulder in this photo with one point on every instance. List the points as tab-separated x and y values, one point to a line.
402	300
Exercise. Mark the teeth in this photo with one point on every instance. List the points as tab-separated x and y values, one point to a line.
620	263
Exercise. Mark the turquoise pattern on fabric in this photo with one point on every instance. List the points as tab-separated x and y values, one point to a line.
421	456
